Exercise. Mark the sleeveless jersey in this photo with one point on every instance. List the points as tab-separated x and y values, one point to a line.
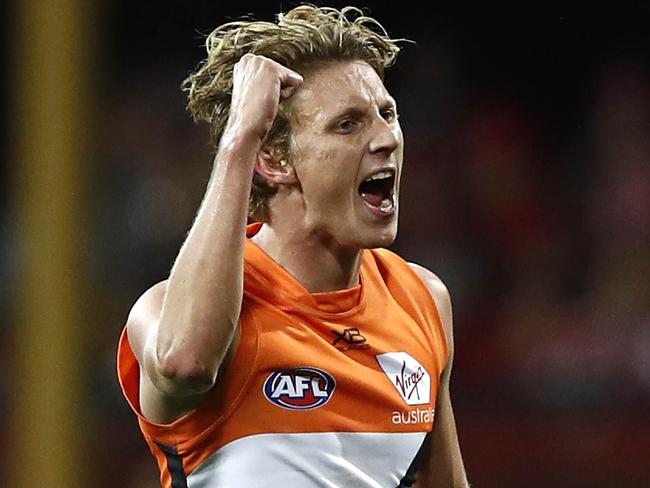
332	389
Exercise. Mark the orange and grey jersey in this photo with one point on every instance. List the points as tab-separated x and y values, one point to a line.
332	389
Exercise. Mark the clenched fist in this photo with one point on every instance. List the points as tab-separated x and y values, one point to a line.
259	84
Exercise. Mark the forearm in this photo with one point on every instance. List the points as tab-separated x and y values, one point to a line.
200	311
204	292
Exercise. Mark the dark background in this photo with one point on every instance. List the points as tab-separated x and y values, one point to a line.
526	190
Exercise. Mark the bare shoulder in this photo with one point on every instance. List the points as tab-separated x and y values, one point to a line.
143	315
440	295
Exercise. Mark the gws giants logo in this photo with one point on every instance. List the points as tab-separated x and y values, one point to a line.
299	388
408	377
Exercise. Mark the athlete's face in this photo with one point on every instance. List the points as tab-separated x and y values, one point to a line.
347	150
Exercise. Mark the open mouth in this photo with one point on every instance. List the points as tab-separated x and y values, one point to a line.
378	191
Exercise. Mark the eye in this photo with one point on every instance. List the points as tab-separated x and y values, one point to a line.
389	114
346	126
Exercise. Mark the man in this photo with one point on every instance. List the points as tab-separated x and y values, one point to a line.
295	351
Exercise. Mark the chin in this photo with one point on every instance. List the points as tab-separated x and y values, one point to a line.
384	241
382	237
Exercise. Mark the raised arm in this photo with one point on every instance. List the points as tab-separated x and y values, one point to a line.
442	465
180	330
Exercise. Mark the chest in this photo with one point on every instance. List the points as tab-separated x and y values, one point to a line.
367	372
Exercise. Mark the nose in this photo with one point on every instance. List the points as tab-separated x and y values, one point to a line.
386	136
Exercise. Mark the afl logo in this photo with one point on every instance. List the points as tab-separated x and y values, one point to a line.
299	388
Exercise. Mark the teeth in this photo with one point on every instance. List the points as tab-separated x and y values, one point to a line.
386	203
380	176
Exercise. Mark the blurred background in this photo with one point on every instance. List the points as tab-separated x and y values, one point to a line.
526	189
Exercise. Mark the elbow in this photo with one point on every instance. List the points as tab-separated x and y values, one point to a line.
182	374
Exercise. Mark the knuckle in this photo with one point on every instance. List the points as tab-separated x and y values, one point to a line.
245	60
266	64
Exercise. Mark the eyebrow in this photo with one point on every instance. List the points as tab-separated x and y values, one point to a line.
390	102
356	110
350	111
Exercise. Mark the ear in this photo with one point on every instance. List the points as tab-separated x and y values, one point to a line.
274	168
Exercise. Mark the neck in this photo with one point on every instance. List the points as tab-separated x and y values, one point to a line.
315	261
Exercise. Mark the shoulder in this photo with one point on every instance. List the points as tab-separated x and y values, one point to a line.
432	282
143	315
440	295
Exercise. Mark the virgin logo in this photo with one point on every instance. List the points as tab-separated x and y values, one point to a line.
407	384
408	376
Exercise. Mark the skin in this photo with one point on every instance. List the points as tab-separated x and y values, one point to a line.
345	127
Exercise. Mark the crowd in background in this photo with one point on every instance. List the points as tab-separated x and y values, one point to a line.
536	216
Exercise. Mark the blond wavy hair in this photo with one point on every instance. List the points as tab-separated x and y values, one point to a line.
303	39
